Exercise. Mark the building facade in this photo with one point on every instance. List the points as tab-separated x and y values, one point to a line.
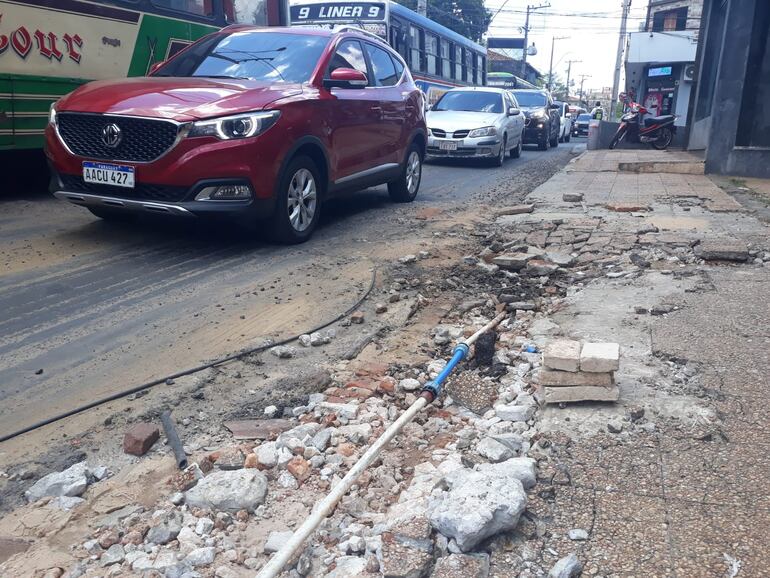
730	112
660	59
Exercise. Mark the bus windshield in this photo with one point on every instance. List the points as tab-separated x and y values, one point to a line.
529	97
262	56
470	101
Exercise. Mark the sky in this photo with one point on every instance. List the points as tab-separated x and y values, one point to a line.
592	27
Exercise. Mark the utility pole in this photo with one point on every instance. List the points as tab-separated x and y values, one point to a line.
582	80
422	7
619	59
569	69
530	8
550	66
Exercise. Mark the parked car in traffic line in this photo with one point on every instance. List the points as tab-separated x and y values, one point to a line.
255	124
581	124
565	120
542	122
476	122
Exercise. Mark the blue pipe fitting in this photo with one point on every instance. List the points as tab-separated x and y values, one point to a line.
433	388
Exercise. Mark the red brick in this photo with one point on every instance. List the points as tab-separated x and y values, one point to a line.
299	468
139	438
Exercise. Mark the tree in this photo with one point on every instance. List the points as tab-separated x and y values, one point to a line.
468	18
558	88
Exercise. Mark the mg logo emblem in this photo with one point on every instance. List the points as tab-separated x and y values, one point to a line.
111	135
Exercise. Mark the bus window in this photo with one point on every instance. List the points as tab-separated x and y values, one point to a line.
431	54
382	66
468	69
446	64
415	56
197	7
246	12
458	63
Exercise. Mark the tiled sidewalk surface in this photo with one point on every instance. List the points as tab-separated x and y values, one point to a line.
674	501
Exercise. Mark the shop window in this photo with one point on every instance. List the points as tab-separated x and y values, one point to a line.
754	121
670	20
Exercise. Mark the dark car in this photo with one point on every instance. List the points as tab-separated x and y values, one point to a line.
542	124
255	124
581	124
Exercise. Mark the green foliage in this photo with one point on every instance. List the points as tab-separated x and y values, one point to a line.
466	17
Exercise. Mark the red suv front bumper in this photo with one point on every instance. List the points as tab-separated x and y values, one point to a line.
170	183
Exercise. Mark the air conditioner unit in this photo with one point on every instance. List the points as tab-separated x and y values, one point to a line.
689	73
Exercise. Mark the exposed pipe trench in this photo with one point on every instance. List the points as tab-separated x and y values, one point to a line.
322	509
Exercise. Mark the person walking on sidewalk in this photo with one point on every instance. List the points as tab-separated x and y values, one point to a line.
598	111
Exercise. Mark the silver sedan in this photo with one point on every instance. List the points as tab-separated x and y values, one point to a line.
476	122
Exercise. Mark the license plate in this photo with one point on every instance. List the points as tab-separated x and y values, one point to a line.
447	145
108	174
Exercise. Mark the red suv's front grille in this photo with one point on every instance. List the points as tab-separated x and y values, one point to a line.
142	191
141	139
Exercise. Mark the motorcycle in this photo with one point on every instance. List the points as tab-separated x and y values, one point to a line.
657	130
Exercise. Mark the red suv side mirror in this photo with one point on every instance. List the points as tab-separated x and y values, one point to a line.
155	67
346	78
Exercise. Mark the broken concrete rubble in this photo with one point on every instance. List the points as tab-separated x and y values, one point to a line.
229	491
71	482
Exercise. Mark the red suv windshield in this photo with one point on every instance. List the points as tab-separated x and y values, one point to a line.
262	56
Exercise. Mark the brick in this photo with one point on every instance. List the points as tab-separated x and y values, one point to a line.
567	378
626	207
600	357
580	393
540	267
357	317
512	261
139	438
563	354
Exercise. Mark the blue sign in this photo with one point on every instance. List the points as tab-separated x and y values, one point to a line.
660	71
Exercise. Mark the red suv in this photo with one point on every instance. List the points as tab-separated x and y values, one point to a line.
256	123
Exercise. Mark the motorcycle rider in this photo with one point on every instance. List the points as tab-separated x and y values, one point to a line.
598	111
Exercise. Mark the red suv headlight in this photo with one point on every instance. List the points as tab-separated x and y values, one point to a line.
236	126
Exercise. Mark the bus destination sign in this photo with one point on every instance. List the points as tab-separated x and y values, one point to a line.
338	11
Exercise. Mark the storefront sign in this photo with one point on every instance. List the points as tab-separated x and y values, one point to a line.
660	71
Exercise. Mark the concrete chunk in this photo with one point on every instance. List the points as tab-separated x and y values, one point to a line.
722	250
572	197
568	378
600	357
512	261
563	354
580	393
515	210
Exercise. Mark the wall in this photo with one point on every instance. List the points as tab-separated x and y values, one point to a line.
721	154
694	10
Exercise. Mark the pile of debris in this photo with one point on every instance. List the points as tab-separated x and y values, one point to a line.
579	372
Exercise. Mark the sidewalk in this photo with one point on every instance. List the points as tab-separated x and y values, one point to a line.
682	491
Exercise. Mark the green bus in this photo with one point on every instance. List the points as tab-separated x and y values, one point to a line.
50	47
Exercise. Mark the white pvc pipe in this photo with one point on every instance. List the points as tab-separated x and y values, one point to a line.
326	506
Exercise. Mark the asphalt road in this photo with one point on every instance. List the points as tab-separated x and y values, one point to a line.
90	308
